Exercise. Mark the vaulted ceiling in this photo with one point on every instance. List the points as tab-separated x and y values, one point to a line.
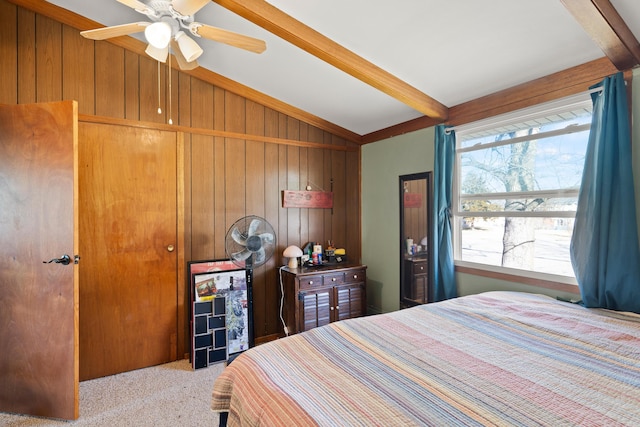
359	67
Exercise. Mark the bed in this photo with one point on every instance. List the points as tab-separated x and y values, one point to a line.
496	358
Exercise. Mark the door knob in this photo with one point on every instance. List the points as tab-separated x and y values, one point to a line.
64	260
170	248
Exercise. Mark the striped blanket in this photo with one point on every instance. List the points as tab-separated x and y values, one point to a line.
498	358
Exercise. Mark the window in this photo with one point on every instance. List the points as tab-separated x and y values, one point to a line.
516	189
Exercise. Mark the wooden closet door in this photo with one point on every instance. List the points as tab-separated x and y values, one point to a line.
38	222
128	223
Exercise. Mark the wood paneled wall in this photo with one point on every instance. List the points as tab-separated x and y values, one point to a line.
415	218
226	177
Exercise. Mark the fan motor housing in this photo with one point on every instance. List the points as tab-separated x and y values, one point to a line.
254	243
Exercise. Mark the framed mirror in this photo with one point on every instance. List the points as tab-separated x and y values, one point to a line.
415	239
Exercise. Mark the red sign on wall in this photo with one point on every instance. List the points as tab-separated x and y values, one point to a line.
412	200
307	199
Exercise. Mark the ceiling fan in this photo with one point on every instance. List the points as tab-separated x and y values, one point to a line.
170	19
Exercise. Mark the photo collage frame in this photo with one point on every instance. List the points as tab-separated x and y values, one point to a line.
211	282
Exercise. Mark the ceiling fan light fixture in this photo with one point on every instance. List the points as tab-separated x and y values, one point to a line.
158	34
168	31
157	54
189	48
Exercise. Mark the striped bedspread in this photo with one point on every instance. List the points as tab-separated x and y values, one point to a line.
498	358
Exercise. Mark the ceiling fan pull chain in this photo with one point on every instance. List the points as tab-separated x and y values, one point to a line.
170	91
159	109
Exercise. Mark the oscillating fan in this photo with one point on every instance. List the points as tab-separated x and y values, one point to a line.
250	242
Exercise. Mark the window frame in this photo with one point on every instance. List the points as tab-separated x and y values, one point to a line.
530	277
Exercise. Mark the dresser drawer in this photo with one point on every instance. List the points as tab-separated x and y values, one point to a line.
334	278
355	276
420	267
310	282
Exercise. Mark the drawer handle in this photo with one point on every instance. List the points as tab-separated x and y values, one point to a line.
331	308
311	282
333	279
421	268
355	276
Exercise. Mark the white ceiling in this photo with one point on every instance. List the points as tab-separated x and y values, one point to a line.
453	51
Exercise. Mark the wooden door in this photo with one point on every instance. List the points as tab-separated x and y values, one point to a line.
350	301
38	222
316	307
128	212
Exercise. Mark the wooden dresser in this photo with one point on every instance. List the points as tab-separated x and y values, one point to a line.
316	296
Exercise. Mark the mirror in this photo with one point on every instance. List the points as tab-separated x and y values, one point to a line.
415	239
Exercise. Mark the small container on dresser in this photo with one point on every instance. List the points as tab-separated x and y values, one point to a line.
316	296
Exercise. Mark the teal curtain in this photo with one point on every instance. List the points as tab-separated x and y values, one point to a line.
604	245
444	286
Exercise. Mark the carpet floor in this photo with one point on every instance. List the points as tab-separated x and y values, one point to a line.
167	395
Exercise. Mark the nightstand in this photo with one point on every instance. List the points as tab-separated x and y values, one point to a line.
316	296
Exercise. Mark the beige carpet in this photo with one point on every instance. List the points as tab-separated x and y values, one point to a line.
166	395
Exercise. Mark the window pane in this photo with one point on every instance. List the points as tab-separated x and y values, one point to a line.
519	175
514	130
533	204
536	244
545	164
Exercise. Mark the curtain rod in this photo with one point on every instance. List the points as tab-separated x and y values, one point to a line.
587	92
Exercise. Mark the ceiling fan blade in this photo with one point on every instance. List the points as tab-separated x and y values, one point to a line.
188	7
134	4
180	59
115	31
228	37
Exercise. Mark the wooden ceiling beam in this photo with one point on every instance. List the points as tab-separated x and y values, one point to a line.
286	27
544	89
563	83
603	23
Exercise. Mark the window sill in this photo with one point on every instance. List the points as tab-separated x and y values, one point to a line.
543	283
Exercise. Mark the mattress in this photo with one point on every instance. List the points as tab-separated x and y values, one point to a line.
497	358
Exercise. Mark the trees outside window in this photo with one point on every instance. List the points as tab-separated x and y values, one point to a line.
517	186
